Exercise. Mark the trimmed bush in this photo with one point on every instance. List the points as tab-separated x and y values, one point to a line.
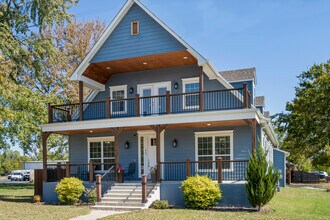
261	179
160	204
69	190
90	194
200	192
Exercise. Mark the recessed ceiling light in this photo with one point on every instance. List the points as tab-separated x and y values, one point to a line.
185	58
145	63
90	131
108	67
208	124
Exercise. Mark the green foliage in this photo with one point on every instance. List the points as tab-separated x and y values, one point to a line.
90	194
160	204
69	190
261	179
305	127
200	192
11	160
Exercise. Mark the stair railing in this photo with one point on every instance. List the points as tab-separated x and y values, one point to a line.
99	183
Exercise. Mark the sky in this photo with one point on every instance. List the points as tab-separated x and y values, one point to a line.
280	38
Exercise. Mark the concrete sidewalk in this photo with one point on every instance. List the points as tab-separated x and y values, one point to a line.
96	214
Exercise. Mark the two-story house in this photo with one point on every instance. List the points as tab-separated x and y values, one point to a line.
157	105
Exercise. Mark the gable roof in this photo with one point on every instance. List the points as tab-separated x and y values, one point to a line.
267	114
260	101
240	75
77	75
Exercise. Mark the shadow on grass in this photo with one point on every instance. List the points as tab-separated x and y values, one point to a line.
16	192
27	199
18	186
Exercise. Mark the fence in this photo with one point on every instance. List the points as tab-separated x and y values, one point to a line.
304	177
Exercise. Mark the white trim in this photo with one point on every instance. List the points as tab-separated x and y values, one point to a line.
214	134
119	88
186	81
91	83
138	28
146	134
98	139
192	117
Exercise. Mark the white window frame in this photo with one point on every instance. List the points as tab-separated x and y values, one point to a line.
213	134
98	139
186	81
138	28
119	88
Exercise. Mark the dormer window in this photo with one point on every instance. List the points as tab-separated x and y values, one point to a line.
135	28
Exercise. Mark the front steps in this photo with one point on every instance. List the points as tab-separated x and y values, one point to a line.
127	197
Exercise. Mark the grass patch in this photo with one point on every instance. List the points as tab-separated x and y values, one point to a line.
290	203
16	203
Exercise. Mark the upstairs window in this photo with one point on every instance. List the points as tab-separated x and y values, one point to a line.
190	85
135	29
117	94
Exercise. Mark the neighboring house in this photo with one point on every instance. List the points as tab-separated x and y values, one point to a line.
157	103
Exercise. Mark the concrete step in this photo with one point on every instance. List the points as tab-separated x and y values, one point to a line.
131	204
116	208
121	198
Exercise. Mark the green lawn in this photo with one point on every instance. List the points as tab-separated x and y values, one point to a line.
290	203
16	203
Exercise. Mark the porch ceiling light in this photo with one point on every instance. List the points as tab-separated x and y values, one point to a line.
126	145
185	58
90	131
175	143
145	63
108	67
208	124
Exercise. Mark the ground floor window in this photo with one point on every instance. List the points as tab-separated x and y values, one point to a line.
212	145
101	150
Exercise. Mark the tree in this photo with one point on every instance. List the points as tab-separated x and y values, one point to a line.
261	179
11	160
305	126
40	47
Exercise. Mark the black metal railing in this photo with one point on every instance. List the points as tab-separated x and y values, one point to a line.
218	170
152	105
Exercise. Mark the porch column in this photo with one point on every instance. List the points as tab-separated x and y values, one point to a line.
81	99
44	136
116	132
158	129
201	89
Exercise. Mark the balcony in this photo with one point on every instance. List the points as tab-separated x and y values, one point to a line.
138	106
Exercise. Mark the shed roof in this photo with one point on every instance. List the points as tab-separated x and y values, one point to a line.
239	75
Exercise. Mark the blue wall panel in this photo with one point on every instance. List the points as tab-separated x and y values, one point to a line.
279	164
152	39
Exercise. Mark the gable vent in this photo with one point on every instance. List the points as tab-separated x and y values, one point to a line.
135	28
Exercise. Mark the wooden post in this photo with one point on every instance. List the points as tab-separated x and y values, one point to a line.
188	168
116	132
58	171
144	188
137	105
254	138
245	95
67	169
50	113
219	160
158	129
91	172
201	89
45	135
108	107
168	102
68	115
81	99
98	188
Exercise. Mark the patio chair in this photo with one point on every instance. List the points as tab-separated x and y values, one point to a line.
131	171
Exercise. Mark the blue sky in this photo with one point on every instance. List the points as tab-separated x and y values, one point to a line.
280	38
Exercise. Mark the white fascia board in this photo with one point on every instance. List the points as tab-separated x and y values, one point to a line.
267	125
152	120
92	84
285	152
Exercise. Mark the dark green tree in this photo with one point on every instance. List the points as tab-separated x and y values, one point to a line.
261	179
304	128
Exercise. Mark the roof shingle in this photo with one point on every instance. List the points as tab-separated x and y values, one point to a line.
239	75
260	101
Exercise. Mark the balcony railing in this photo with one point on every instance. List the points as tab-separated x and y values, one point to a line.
237	98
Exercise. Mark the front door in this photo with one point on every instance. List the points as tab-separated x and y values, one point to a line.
150	157
151	103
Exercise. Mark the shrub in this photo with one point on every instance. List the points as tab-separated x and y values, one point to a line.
69	190
160	204
261	178
328	188
200	192
90	194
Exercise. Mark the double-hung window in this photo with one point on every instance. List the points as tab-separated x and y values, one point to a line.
212	145
190	85
101	150
117	94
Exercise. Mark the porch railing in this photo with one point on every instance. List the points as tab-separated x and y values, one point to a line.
237	98
218	170
82	171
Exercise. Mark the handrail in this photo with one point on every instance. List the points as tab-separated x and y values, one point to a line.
202	161
108	171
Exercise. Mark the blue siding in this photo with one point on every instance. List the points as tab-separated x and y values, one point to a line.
173	75
279	164
249	85
233	195
153	39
